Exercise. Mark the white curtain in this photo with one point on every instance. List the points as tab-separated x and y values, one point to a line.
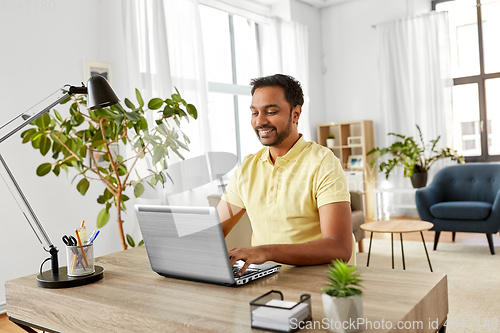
415	82
165	50
415	76
285	49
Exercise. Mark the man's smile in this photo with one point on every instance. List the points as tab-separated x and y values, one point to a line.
263	133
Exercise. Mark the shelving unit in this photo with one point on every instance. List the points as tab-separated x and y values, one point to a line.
353	157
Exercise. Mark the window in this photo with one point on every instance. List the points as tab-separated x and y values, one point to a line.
232	60
476	73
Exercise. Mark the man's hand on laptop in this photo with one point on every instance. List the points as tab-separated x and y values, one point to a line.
250	255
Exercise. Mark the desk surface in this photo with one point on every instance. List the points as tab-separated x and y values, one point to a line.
132	298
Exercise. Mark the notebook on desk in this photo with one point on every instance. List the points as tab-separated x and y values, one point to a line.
188	243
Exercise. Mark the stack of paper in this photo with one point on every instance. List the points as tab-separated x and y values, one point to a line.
279	319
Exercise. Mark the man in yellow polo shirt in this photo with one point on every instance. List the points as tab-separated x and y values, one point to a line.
295	192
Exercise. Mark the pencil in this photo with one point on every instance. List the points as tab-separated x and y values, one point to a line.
83	223
80	243
73	264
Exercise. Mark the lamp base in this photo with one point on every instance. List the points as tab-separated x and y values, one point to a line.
47	280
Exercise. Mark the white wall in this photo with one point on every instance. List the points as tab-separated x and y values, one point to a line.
351	81
43	48
311	17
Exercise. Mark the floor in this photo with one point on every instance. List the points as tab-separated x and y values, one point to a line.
6	326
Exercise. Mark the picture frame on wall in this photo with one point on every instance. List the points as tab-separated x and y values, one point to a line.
355	162
92	67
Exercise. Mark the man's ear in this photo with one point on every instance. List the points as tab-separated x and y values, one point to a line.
297	110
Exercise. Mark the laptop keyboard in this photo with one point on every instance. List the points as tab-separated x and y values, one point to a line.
245	273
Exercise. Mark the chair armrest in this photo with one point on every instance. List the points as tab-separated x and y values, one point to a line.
424	199
356	201
494	217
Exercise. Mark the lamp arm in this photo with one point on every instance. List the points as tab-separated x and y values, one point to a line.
33	117
34	222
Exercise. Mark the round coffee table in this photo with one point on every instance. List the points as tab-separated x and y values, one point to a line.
400	227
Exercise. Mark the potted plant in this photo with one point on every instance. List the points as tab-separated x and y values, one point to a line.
77	141
413	157
342	297
330	141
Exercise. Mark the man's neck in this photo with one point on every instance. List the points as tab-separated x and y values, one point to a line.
284	147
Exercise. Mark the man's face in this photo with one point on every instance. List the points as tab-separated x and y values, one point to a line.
271	115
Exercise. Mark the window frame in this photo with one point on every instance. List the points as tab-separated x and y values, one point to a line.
480	79
234	88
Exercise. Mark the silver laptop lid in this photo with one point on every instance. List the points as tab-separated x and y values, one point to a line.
185	242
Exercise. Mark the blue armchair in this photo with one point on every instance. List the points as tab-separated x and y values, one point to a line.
463	198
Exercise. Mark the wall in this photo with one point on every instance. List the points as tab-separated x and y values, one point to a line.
311	17
44	44
351	81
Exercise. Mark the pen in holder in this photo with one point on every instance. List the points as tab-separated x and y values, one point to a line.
271	312
80	260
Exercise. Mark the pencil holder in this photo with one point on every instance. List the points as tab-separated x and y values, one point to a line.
271	312
80	260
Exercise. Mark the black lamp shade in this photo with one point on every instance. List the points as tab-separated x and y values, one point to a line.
100	93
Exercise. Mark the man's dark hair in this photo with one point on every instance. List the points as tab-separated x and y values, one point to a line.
293	91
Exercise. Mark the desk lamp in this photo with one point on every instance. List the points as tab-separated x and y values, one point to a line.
100	94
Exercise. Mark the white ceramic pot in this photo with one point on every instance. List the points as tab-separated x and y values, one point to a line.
342	312
330	143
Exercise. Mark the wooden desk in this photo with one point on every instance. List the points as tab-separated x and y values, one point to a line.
132	298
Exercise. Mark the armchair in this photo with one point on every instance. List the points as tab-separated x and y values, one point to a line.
463	198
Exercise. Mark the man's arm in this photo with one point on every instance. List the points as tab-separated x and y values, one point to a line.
336	242
229	215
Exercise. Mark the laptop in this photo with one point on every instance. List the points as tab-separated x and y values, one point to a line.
188	243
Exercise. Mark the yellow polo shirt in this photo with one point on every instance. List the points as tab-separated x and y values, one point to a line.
282	200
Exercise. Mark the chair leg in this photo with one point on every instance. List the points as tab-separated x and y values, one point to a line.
360	246
453	236
490	243
436	239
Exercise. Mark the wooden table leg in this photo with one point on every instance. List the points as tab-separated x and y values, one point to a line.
392	248
426	253
369	250
402	251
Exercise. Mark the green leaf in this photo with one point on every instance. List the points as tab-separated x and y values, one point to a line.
138	190
143	124
58	116
57	169
191	109
125	198
141	243
129	104
103	217
158	154
45	144
155	103
130	241
43	169
133	116
168	111
43	122
177	98
83	186
139	98
28	134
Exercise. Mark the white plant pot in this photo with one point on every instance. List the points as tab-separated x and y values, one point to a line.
341	312
330	143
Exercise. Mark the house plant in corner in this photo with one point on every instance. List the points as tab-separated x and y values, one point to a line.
413	157
76	141
342	297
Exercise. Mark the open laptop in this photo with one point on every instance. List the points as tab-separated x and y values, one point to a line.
188	243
